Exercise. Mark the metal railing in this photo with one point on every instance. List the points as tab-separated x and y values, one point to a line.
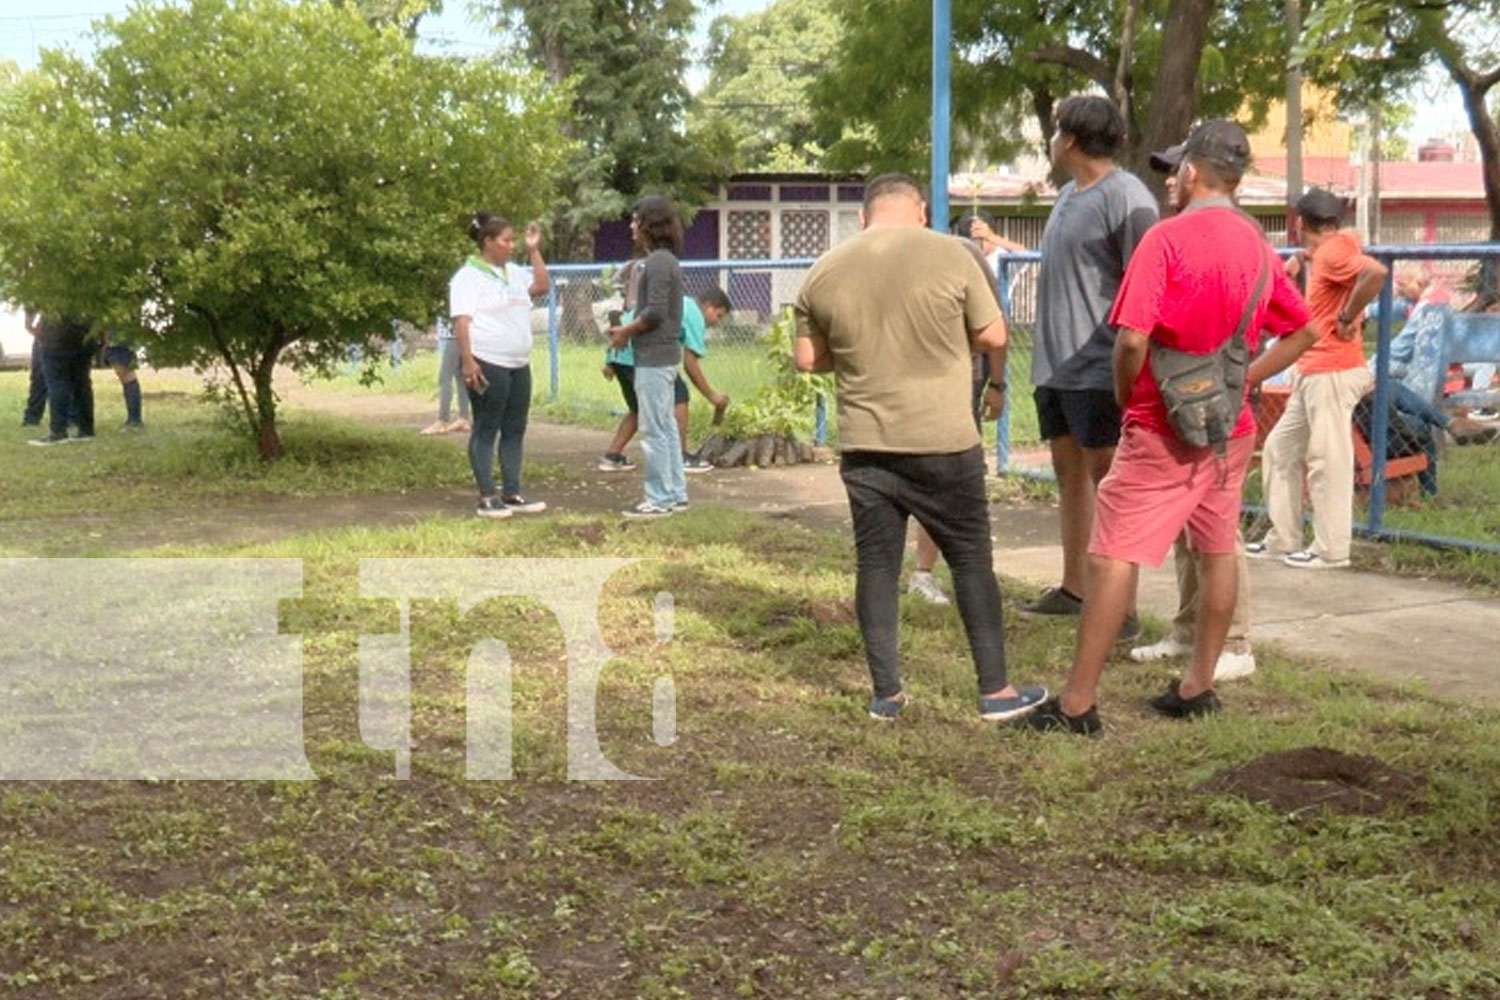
1449	258
758	289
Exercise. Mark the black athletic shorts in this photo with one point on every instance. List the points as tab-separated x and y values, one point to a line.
625	375
1090	416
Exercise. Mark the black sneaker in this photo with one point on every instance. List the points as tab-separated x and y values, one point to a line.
1049	717
615	463
1130	629
491	507
1056	601
1175	706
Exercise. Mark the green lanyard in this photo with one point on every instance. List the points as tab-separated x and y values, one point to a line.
479	263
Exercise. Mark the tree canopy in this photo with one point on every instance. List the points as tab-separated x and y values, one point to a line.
762	64
626	63
1366	48
1165	62
242	183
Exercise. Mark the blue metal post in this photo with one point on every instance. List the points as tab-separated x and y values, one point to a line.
1002	423
1380	422
942	45
554	341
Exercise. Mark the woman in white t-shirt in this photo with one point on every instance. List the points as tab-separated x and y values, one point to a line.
489	299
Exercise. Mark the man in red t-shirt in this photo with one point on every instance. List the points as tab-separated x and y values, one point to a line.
1311	442
1187	286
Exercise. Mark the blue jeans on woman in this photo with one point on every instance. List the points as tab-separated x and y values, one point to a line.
665	481
499	411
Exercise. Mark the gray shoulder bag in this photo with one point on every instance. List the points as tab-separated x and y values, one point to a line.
1204	393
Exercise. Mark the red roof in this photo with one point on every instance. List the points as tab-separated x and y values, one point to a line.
1402	180
1398	178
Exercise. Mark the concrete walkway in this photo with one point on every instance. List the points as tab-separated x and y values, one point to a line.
1400	629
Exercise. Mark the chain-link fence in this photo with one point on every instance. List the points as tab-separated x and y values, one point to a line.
1426	439
1422	477
570	321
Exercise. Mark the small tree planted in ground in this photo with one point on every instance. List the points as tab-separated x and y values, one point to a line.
775	425
238	184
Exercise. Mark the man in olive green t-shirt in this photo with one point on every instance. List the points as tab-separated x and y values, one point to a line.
896	314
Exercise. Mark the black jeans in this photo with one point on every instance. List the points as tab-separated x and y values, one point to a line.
945	493
36	394
70	387
500	411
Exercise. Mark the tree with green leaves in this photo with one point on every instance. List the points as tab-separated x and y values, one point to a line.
625	62
1165	62
1367	47
403	14
237	184
762	63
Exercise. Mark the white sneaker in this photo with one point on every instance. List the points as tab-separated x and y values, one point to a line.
1163	649
925	586
1234	666
1307	559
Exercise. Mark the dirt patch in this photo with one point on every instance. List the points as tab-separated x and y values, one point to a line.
1308	779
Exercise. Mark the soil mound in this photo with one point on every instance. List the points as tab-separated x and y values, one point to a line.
1311	778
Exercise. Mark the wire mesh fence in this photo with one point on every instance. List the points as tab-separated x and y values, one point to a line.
1427	470
1425	473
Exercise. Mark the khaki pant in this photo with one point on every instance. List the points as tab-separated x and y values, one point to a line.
1185	625
1312	441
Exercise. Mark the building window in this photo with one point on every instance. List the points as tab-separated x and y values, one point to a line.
749	234
804	232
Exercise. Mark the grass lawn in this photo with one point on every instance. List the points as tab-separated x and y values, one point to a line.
790	846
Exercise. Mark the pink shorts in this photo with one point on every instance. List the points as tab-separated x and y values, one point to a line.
1157	486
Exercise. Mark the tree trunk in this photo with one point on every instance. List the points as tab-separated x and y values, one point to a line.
1176	91
1125	73
267	438
1487	135
575	298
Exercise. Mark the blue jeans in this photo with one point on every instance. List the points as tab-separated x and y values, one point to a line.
665	482
1431	422
946	494
70	387
500	411
451	375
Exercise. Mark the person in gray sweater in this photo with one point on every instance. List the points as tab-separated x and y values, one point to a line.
655	334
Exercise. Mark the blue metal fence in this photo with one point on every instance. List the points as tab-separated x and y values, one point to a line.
758	289
1377	509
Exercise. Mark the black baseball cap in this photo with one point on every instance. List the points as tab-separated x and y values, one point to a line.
1219	140
1321	205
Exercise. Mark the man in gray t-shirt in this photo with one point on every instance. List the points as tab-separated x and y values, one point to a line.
1099	217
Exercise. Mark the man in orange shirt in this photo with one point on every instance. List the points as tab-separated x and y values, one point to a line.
1312	438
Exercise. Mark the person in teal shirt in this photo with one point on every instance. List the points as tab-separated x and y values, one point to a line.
708	309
